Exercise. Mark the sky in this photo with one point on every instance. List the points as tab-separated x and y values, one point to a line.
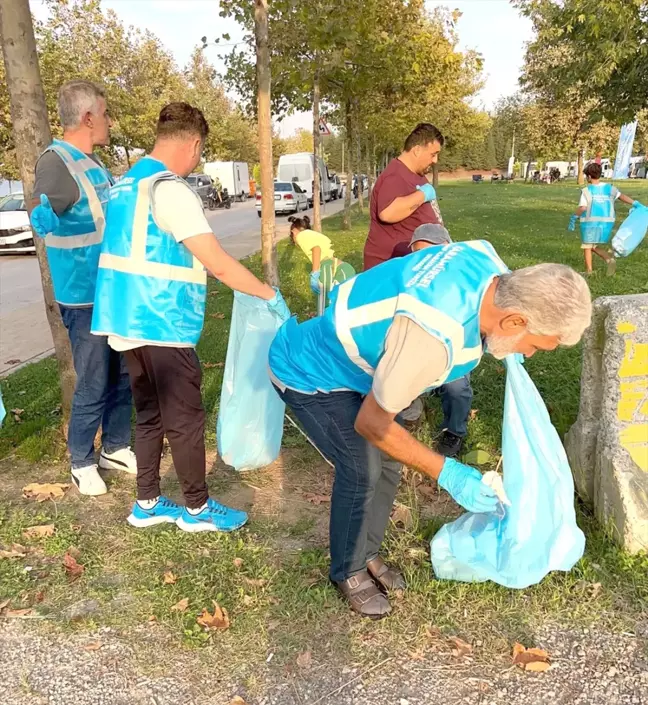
492	27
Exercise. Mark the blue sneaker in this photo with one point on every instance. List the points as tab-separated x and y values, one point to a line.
162	512
214	517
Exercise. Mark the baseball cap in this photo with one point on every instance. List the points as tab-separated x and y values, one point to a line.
433	233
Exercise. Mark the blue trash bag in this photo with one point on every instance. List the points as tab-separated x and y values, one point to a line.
519	544
250	419
631	232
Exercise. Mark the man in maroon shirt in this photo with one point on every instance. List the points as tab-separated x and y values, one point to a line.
402	198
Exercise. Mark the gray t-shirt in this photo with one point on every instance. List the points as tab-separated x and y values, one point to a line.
55	181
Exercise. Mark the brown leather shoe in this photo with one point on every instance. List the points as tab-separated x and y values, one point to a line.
364	596
389	578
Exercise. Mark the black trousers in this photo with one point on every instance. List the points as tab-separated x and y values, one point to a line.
165	382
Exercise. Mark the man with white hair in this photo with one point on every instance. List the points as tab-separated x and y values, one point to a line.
390	334
71	189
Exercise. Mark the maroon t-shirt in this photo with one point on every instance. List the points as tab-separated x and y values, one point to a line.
387	240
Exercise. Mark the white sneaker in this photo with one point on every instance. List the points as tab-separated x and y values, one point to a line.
89	481
123	459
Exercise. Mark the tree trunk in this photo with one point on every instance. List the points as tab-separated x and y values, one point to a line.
317	210
268	249
368	156
359	163
346	218
581	159
128	160
435	175
32	135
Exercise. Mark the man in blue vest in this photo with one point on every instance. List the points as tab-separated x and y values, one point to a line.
72	187
150	303
406	326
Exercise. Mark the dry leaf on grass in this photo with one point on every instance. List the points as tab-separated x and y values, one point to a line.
473	414
218	316
461	647
211	365
248	600
16	551
305	660
218	620
237	700
15	614
72	568
251	582
17	414
402	514
169	578
316	498
180	606
93	646
39	532
530	659
238	562
43	492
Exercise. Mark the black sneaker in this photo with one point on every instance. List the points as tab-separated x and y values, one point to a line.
449	445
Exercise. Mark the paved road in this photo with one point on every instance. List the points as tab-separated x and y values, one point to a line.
24	332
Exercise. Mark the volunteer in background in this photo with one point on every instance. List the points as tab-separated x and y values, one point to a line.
597	216
457	396
150	303
389	335
72	189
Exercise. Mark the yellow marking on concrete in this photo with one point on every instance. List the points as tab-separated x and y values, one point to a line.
632	396
626	327
634	439
635	360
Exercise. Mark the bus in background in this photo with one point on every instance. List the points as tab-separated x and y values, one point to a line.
300	168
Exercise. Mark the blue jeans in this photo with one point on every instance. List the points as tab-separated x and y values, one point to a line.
102	395
365	482
456	400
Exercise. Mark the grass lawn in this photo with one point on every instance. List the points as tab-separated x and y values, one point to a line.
271	576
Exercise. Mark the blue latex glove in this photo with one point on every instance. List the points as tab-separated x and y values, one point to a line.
572	223
315	282
464	484
43	219
428	191
278	306
635	205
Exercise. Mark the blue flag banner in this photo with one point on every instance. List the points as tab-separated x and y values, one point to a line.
624	151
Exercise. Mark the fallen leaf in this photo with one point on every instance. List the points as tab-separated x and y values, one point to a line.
477	457
39	532
316	498
13	361
254	583
473	414
402	514
305	660
169	578
248	600
74	552
210	365
16	551
93	646
43	492
152	619
72	568
218	620
530	659
237	700
39	596
219	316
461	647
18	613
16	414
238	562
180	606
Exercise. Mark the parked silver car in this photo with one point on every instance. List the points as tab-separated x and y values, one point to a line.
289	198
16	235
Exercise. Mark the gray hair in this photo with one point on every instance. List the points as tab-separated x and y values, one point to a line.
554	298
75	99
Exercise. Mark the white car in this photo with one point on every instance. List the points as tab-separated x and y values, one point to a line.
16	235
289	198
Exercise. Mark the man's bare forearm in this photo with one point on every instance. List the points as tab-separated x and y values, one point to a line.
402	207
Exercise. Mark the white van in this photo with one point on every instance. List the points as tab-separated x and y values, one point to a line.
234	176
300	168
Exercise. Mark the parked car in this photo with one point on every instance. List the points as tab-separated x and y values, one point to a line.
337	187
201	184
289	198
16	235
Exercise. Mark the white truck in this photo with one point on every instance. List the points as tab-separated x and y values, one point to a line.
300	169
234	176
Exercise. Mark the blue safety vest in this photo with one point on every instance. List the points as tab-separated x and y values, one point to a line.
73	248
597	222
440	288
150	288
